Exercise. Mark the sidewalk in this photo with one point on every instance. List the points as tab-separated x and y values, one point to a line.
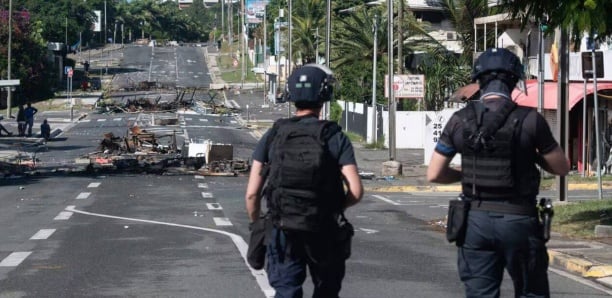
588	259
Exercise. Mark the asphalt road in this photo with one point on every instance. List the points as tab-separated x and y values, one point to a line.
144	235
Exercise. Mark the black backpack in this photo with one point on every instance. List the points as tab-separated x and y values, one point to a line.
304	188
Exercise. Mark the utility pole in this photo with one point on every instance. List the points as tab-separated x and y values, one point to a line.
290	36
105	29
243	37
9	90
222	18
326	105
390	81
562	107
374	57
400	37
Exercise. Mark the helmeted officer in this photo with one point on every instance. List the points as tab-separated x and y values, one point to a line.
290	252
500	144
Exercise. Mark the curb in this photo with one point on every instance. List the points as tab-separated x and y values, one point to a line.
579	266
457	187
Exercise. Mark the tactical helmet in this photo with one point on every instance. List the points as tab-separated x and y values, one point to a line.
311	82
498	60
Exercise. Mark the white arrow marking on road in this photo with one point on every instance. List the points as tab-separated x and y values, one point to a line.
43	234
368	231
14	259
260	275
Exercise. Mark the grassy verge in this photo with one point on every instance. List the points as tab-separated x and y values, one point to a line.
578	220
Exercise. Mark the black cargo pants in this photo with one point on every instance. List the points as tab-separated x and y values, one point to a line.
495	241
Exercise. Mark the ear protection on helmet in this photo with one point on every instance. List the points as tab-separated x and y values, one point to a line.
302	84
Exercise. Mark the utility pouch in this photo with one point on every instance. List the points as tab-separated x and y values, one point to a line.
456	223
344	236
256	253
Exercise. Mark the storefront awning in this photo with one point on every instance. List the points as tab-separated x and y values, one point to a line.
576	93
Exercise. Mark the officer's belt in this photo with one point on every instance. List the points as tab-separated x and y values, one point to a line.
503	207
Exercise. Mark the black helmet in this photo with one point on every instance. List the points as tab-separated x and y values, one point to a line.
498	60
311	82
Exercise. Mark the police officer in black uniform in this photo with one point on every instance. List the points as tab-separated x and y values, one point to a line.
500	145
288	253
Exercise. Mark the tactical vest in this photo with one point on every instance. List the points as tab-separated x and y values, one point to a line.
493	165
304	186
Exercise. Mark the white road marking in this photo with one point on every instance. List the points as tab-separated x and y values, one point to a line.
117	119
85	120
132	118
199	177
101	120
202	185
14	259
43	234
203	119
368	231
93	185
233	121
386	200
260	275
207	195
187	119
214	206
222	221
83	195
64	215
235	104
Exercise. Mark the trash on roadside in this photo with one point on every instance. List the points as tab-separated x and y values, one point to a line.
366	175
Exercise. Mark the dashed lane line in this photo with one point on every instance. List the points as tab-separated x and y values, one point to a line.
386	200
93	185
241	245
14	259
202	185
83	195
207	195
64	215
199	177
222	221
214	206
43	234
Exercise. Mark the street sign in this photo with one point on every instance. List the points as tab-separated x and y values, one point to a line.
407	86
67	69
8	83
70	71
587	65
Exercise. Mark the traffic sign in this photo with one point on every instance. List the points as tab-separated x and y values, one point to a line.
70	71
67	69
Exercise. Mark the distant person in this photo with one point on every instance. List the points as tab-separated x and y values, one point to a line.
45	130
2	128
21	121
29	112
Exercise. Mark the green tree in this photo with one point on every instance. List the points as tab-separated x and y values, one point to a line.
461	14
27	51
577	15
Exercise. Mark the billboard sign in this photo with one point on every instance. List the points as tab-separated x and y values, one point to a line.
97	25
255	10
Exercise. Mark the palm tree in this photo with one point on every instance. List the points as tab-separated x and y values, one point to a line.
462	13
